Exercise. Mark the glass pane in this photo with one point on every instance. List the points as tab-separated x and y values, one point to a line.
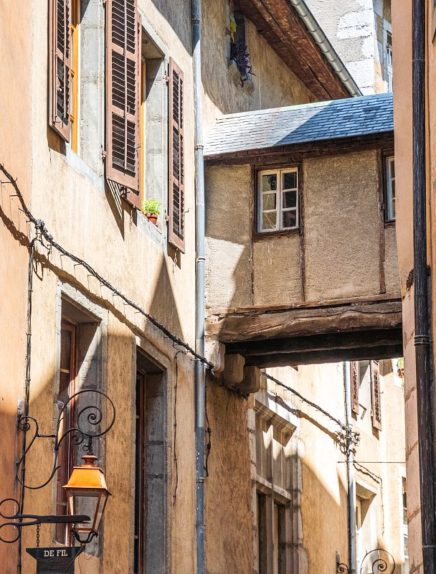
269	182
290	180
289	219
393	189
269	220
269	201
290	199
65	349
392	164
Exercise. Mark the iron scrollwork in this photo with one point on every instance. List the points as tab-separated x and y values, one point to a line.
16	521
378	560
89	422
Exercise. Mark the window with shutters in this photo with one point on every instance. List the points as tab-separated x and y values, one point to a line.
122	97
60	60
375	395
176	183
355	386
153	124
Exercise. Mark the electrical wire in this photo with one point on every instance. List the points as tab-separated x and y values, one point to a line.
42	230
307	401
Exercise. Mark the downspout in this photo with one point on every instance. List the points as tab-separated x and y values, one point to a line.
351	489
200	375
424	382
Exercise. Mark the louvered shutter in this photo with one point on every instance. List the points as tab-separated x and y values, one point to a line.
176	187
122	96
355	383
60	67
375	395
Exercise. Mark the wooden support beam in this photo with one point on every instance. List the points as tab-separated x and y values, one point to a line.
331	356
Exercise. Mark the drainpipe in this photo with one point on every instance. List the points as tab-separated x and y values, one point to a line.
351	490
200	375
424	380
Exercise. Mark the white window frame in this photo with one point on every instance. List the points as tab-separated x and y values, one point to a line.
279	209
387	55
389	163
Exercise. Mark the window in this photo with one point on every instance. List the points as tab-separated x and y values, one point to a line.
405	531
122	98
390	188
176	161
388	58
80	358
375	395
278	200
64	17
355	386
67	451
273	476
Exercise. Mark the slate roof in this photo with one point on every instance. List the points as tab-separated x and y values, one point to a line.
334	119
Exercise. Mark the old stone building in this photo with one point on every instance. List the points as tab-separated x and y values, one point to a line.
297	275
361	33
100	110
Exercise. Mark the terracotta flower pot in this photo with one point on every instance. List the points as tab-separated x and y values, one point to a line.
151	217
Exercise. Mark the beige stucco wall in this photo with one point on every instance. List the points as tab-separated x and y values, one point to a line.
320	491
15	119
346	251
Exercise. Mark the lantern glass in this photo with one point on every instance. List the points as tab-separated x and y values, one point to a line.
87	495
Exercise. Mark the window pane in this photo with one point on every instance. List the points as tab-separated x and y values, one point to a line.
269	201
290	199
269	220
392	163
289	219
290	180
269	182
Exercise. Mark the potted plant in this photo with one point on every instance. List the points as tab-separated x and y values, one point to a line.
151	209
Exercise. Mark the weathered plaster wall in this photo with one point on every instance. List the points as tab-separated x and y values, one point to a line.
321	492
15	119
229	511
273	84
343	250
355	28
341	222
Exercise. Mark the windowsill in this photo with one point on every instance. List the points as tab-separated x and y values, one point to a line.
258	235
150	229
390	223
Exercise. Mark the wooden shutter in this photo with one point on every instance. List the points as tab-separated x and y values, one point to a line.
176	189
60	67
355	383
122	96
375	395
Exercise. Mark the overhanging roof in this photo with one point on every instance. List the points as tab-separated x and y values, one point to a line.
293	125
293	32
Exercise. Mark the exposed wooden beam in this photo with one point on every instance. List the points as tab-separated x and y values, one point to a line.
281	26
317	357
318	343
254	325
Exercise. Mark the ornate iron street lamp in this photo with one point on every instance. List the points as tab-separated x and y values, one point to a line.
87	493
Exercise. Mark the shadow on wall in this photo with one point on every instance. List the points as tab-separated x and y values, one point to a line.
178	15
229	498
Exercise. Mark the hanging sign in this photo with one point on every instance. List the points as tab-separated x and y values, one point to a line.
56	560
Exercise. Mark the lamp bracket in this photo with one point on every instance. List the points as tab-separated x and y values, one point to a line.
92	421
16	521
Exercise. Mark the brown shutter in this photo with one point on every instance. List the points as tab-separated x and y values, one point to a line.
355	383
122	96
375	395
60	66
176	189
